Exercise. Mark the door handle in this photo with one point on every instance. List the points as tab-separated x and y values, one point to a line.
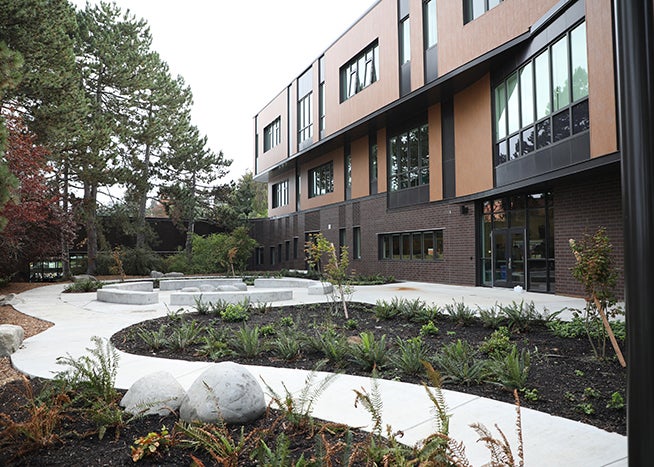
510	263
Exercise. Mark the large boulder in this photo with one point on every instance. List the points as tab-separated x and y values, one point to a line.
84	277
156	274
174	274
225	392
7	299
155	394
11	337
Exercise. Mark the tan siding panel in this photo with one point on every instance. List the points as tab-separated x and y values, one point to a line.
435	153
473	138
360	168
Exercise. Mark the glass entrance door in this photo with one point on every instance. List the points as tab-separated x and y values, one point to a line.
508	257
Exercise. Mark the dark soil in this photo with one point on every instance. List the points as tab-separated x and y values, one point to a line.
561	371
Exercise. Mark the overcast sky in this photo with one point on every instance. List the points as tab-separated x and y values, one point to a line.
237	55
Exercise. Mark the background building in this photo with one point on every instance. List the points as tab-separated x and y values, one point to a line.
450	141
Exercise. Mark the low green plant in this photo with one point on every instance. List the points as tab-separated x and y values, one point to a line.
268	330
458	362
569	396
520	317
429	329
83	286
287	344
151	444
616	402
498	344
155	340
384	310
246	341
412	310
579	373
511	370
299	409
287	321
351	324
235	312
214	439
260	307
450	333
332	345
585	408
591	393
426	314
460	313
530	394
410	355
217	307
184	335
201	306
491	317
214	345
370	352
278	455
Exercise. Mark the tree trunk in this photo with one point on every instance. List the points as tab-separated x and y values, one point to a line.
90	202
143	201
189	239
65	250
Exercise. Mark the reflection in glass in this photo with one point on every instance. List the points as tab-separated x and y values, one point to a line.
502	153
579	62
580	117
561	125
514	147
543	135
527	94
542	64
528	140
513	103
560	87
500	111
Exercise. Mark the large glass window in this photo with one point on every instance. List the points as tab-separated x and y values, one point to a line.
321	180
280	194
405	41
411	246
409	159
356	242
304	119
540	92
473	9
272	134
431	25
360	72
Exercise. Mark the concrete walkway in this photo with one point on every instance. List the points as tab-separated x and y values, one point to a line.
548	441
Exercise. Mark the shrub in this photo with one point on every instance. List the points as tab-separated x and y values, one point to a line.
235	312
246	341
184	335
287	345
86	285
331	344
155	340
429	329
140	261
520	316
387	310
427	314
498	344
491	317
616	402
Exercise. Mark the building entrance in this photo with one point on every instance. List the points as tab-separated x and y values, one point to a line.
517	242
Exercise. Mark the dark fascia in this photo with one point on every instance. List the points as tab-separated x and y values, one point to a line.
420	99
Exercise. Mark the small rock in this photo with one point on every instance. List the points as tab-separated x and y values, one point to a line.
155	394
156	274
11	337
225	392
354	340
7	299
227	288
207	288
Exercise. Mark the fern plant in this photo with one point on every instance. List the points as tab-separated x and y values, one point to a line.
460	313
511	370
184	335
247	342
410	355
459	363
370	352
155	340
215	440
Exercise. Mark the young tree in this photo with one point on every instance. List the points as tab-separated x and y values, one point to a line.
35	219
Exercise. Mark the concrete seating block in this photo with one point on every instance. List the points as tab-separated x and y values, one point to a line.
127	297
257	296
11	336
320	288
179	284
145	286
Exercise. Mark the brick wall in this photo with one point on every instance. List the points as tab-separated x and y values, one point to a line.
582	206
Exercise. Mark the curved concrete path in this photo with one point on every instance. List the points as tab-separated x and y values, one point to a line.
548	440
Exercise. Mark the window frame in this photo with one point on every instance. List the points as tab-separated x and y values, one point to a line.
406	240
360	72
407	170
321	180
272	134
305	118
279	194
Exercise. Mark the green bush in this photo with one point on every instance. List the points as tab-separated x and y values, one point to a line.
140	261
86	285
498	344
511	370
458	363
235	312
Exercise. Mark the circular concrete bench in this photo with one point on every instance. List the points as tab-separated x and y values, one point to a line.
261	296
313	287
128	293
178	284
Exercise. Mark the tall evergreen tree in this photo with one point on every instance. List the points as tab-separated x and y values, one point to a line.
189	169
113	51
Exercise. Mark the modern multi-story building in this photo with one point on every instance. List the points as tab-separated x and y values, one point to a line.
450	141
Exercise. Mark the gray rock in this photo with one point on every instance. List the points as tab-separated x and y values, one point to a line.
225	392
7	299
207	288
227	288
11	337
174	274
191	289
156	274
155	394
83	277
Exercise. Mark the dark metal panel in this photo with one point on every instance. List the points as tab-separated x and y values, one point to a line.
634	22
449	167
431	64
